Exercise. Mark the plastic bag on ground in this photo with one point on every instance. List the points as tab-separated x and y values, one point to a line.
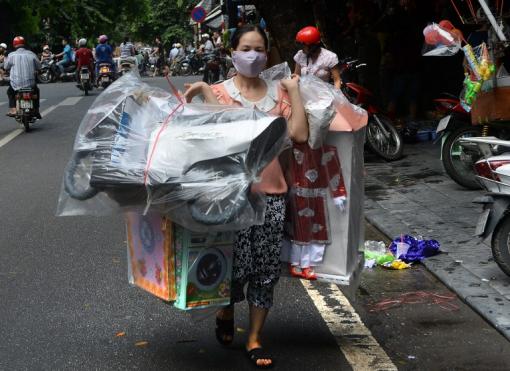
419	248
140	148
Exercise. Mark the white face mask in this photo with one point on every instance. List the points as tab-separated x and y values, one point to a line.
249	64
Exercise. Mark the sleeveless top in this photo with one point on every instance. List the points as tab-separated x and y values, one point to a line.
276	102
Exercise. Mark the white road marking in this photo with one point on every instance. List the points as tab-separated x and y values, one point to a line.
48	110
13	134
356	342
70	101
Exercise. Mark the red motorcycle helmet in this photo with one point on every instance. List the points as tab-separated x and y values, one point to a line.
18	41
309	36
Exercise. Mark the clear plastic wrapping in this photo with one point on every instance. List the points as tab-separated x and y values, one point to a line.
441	40
140	148
326	107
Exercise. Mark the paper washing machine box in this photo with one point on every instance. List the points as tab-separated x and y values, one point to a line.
203	268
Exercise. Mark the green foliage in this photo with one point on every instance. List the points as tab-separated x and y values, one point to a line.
43	21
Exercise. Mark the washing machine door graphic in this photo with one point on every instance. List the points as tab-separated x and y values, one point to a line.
209	269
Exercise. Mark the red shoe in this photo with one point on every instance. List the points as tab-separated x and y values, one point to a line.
309	274
294	272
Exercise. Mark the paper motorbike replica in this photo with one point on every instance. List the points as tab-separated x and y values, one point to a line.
140	148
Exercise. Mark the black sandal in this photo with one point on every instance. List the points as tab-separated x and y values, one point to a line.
224	328
257	354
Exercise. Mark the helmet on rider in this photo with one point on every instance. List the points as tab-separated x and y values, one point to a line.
3	45
102	39
178	45
18	41
309	36
82	42
205	36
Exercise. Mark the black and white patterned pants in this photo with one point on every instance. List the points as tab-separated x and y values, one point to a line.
257	257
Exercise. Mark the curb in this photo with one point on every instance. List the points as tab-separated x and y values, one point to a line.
477	294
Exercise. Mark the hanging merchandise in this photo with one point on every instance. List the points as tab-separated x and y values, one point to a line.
325	200
481	70
140	148
441	39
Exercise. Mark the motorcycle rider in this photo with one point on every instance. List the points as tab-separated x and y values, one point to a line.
218	41
104	54
208	44
174	52
313	59
23	65
3	54
84	58
46	54
67	57
127	51
158	52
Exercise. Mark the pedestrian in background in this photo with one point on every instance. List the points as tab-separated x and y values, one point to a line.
315	60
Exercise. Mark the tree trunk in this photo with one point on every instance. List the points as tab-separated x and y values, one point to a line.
284	19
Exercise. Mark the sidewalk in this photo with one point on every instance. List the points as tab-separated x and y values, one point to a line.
415	196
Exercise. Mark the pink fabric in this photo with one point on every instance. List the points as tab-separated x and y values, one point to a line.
321	67
272	179
348	118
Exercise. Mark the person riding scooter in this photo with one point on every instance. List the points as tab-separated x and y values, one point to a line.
66	55
84	58
46	54
23	65
104	54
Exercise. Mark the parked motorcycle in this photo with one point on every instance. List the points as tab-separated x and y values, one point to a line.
25	111
105	75
458	160
85	80
382	136
493	173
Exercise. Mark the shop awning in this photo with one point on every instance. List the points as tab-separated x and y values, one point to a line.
214	19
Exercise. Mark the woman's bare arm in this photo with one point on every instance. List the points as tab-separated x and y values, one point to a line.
200	88
298	124
337	79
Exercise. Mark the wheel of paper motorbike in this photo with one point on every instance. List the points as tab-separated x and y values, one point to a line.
383	138
77	177
459	162
500	245
214	210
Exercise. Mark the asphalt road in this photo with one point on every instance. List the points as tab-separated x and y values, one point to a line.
64	294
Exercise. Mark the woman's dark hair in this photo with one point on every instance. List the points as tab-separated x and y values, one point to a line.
236	37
